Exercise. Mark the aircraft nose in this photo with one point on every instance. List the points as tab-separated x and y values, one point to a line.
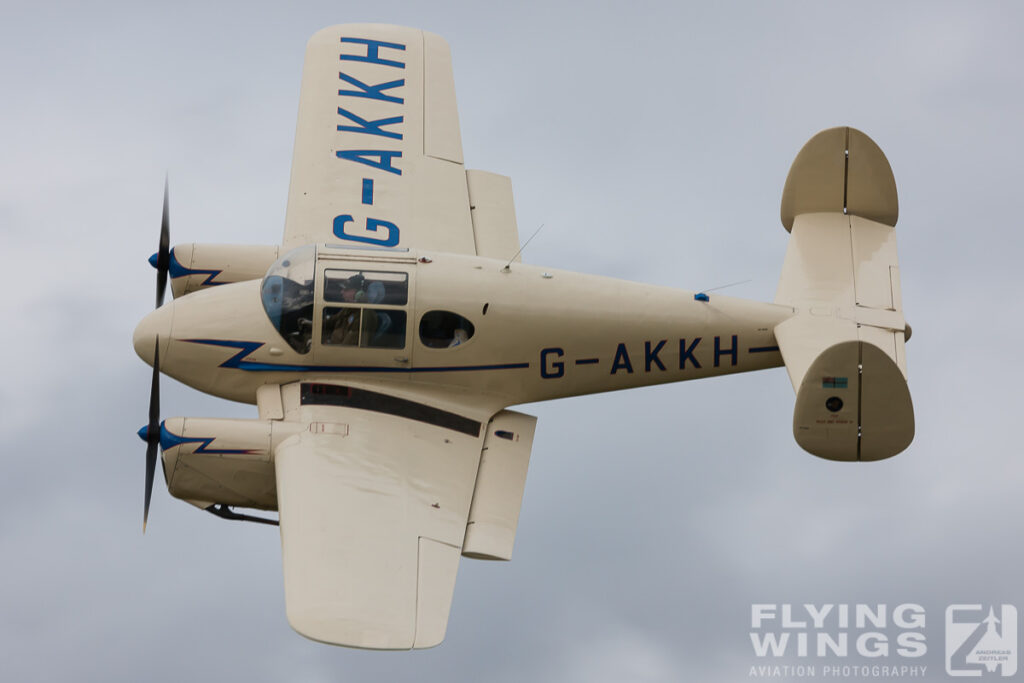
157	324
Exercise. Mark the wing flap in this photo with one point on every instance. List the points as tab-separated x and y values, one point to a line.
494	215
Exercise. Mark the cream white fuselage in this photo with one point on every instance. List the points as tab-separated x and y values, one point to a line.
537	334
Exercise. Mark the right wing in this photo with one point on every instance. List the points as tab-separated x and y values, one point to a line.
373	512
378	152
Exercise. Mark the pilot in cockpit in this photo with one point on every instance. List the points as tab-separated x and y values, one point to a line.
342	327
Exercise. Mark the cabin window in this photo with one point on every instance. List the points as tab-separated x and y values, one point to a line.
375	328
444	329
365	286
370	317
287	295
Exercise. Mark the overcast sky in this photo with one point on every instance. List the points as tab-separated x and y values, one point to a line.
653	141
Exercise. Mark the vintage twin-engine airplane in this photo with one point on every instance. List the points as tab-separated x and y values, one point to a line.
383	341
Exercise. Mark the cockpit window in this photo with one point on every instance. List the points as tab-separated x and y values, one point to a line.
287	295
444	329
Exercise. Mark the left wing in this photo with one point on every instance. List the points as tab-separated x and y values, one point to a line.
378	153
373	505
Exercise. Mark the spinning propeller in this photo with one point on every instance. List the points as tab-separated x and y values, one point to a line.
151	432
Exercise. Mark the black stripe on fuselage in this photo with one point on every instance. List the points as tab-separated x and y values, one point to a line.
317	394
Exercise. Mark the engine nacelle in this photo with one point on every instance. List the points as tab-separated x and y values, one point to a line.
197	266
227	461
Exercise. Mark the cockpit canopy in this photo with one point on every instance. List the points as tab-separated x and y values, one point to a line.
361	308
287	295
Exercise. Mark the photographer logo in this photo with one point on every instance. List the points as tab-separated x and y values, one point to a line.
981	640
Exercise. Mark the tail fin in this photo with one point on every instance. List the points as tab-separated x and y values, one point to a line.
844	347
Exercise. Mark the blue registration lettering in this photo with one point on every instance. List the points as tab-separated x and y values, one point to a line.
551	369
685	353
651	355
370	127
372	92
366	156
621	361
732	352
373	52
372	225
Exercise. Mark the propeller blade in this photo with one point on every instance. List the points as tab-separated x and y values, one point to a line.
152	432
163	258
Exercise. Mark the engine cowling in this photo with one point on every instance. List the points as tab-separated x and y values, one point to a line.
198	266
208	460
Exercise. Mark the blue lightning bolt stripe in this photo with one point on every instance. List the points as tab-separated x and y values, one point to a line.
170	440
176	270
238	362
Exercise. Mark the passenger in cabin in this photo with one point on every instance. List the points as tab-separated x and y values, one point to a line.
458	337
375	292
444	330
374	295
341	326
366	326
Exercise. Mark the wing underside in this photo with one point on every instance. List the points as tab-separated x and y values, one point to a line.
373	511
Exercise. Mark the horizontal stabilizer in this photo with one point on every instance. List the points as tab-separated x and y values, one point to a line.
841	170
844	347
853	404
